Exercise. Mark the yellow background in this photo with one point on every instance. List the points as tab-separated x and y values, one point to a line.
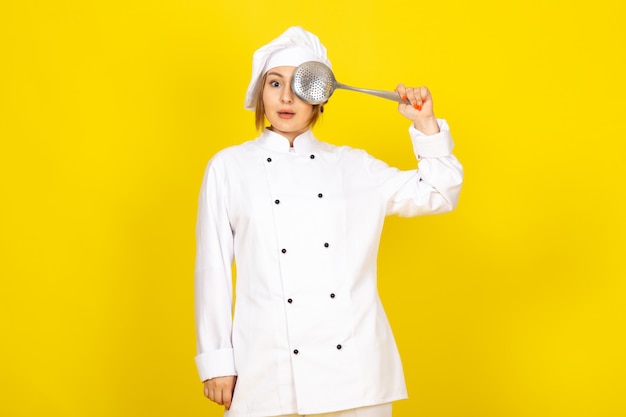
513	305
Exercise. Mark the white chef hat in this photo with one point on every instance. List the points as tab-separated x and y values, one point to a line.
294	47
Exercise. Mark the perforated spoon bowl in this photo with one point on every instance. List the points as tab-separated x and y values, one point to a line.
314	82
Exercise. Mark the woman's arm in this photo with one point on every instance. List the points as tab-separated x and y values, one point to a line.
435	186
213	278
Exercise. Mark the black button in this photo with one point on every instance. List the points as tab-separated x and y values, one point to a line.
277	201
320	195
312	156
338	347
326	245
295	351
269	159
283	250
289	300
332	295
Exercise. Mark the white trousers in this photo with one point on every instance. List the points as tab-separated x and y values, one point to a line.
380	410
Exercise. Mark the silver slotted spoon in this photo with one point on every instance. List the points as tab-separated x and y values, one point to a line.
314	83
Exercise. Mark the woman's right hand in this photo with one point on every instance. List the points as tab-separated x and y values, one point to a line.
419	108
220	389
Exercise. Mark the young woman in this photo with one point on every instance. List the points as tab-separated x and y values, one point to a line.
303	220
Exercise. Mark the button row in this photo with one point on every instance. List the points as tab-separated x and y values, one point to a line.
296	351
310	156
319	195
326	245
290	300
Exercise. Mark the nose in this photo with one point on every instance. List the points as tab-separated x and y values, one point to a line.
287	96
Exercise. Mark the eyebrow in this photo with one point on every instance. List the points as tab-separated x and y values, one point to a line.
275	73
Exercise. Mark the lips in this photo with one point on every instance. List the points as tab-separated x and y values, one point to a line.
286	114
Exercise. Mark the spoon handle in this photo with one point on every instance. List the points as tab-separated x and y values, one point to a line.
389	95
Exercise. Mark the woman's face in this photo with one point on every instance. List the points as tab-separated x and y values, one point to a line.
288	115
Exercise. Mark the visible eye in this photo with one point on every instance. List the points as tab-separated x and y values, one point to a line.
275	83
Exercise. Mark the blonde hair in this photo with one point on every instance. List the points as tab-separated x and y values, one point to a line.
259	109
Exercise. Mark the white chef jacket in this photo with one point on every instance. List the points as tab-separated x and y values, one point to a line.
309	334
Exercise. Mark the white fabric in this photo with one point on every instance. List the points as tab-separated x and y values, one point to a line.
323	205
380	410
289	57
292	48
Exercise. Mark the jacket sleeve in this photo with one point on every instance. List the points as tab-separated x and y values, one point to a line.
435	186
213	277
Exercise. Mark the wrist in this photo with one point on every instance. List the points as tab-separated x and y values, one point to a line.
427	126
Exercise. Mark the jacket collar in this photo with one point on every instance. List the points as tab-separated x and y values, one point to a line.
302	144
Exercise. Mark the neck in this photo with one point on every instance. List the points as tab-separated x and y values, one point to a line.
290	136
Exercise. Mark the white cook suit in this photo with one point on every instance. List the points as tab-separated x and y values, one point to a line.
309	334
